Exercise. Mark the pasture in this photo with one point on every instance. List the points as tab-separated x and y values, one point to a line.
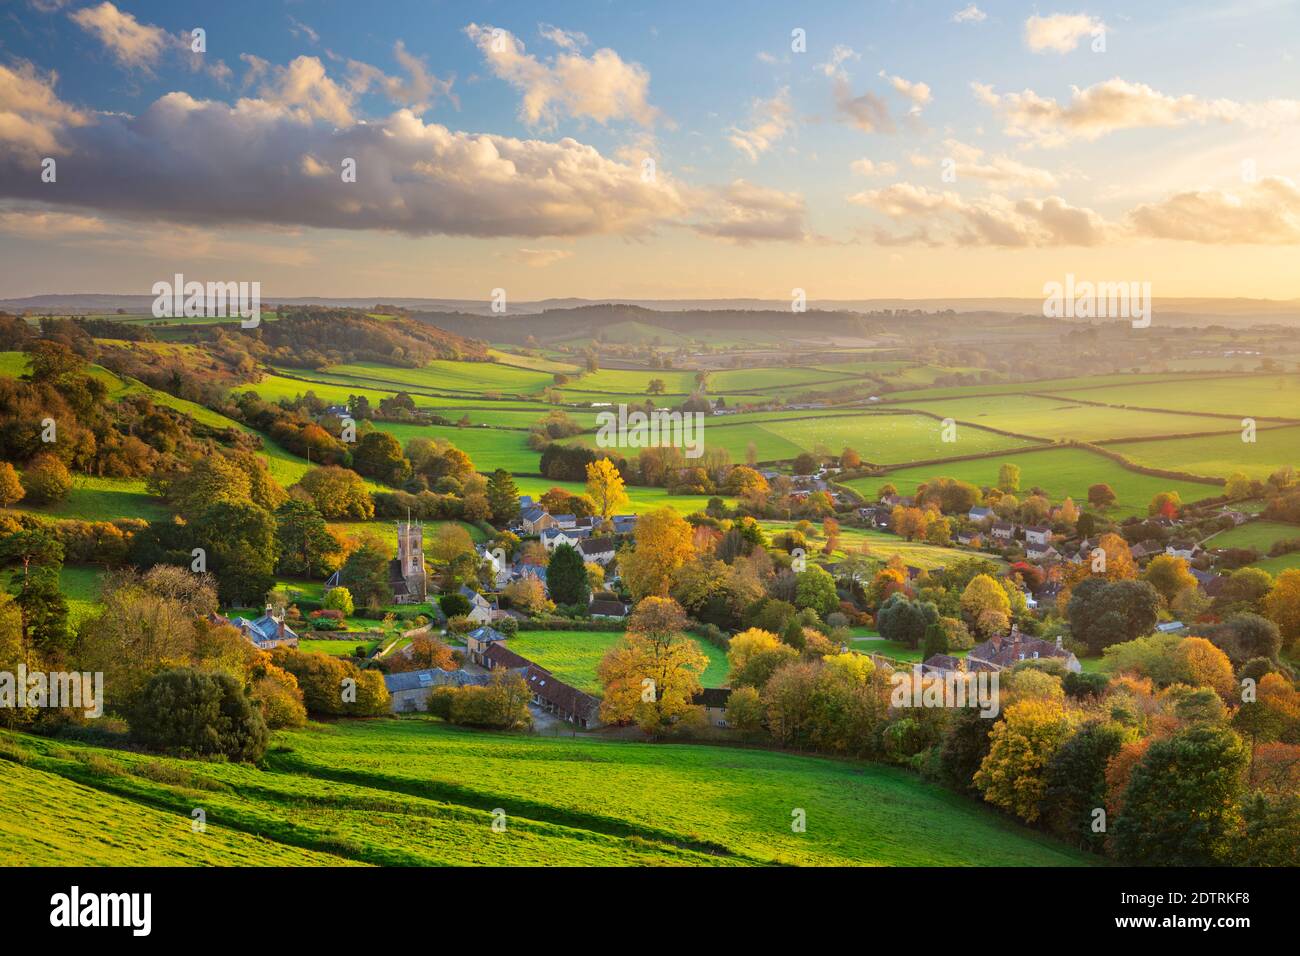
1219	455
572	656
415	791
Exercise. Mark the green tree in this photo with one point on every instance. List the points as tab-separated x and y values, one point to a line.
815	589
1104	612
379	455
199	714
339	493
1009	478
900	619
503	497
365	574
241	547
1181	805
1075	783
339	599
304	540
566	577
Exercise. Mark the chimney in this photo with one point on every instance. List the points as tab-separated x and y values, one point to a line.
1058	642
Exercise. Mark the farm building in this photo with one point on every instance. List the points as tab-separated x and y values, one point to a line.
409	691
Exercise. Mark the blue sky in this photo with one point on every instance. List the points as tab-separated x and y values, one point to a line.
916	149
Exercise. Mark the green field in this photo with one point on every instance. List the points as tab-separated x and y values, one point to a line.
1061	472
342	648
1219	455
1061	419
79	585
572	656
1259	535
1255	396
103	499
415	791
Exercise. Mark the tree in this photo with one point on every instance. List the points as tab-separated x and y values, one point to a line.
1169	575
199	714
1075	782
1104	612
241	547
652	675
1200	664
1101	496
503	497
1165	504
46	480
527	594
1237	486
1069	513
379	455
304	540
981	595
605	486
339	599
908	522
365	573
663	544
850	459
1008	478
1013	775
908	621
1181	805
11	488
1282	605
656	387
338	493
815	589
566	577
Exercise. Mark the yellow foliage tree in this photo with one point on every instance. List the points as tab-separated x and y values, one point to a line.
652	675
663	544
1012	776
605	487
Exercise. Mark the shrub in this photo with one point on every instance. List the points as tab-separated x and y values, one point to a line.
195	712
46	480
339	599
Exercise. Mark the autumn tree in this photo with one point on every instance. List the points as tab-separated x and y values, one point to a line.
1169	575
663	544
1008	478
652	675
11	488
1101	496
983	595
605	486
1013	776
1282	605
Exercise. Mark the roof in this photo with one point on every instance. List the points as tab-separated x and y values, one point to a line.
1038	528
596	545
980	511
532	514
559	694
712	697
607	608
502	656
486	634
434	677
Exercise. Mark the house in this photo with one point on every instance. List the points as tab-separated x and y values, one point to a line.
969	539
338	411
538	571
714	701
556	697
498	656
1006	651
624	524
1003	530
604	607
1170	627
1041	553
480	608
979	513
1037	534
939	665
597	550
1212	584
534	520
409	691
552	538
565	521
479	640
501	572
1238	517
265	632
1183	549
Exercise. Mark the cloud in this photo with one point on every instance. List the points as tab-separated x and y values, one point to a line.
48	224
418	91
969	14
867	112
1061	32
946	218
540	258
743	212
918	93
840	54
866	167
570	40
1266	212
132	43
602	87
1117	104
997	170
298	28
32	117
263	161
770	120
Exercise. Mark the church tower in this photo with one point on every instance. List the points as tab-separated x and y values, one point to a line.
410	557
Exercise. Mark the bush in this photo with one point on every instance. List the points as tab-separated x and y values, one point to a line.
1082	685
199	713
46	480
339	599
454	605
321	677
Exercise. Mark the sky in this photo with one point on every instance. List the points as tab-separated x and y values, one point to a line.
408	148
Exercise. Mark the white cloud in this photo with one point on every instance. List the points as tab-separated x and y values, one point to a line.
48	224
541	258
32	117
601	87
417	91
132	43
867	112
1266	212
304	86
769	121
1117	104
947	218
867	167
918	93
969	14
996	170
1061	32
840	54
743	212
